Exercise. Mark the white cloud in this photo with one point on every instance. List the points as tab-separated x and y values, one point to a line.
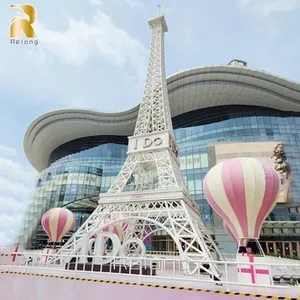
5	240
137	4
16	188
97	2
166	11
100	37
15	171
37	56
9	223
89	55
7	151
10	205
244	3
71	64
269	7
9	226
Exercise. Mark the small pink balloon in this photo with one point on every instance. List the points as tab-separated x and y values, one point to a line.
57	222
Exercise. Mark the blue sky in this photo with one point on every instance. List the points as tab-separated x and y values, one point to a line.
93	54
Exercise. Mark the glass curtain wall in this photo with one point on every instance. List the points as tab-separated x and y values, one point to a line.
87	166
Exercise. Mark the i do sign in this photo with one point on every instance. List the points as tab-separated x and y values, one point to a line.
117	248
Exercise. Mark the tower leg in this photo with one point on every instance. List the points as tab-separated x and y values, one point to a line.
156	210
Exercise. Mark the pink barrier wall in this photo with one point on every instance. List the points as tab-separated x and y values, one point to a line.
19	287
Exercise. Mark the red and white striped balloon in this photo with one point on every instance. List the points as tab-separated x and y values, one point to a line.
242	191
57	222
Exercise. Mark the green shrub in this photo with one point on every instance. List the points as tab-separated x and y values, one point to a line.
296	257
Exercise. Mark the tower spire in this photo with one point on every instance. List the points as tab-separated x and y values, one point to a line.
154	114
158	10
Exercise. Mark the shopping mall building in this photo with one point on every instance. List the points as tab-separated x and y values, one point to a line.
218	112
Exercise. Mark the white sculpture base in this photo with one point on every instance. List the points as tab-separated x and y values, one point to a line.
47	253
253	274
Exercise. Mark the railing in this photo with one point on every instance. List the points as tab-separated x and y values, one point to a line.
4	249
229	256
162	253
170	271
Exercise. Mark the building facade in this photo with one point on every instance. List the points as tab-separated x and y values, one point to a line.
217	112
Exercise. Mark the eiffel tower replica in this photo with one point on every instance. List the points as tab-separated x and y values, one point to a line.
149	193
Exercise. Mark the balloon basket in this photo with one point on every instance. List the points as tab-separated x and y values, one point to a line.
253	265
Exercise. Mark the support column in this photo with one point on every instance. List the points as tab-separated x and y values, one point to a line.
275	247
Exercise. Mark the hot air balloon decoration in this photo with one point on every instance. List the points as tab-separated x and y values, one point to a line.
57	222
242	191
116	229
230	231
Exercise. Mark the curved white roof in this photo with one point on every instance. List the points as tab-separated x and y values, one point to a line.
189	90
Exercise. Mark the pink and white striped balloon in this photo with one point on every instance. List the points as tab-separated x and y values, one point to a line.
57	222
125	226
242	191
230	231
116	229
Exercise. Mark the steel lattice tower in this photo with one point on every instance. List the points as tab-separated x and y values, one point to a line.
149	193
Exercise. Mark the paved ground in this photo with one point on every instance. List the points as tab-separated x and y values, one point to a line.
168	277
